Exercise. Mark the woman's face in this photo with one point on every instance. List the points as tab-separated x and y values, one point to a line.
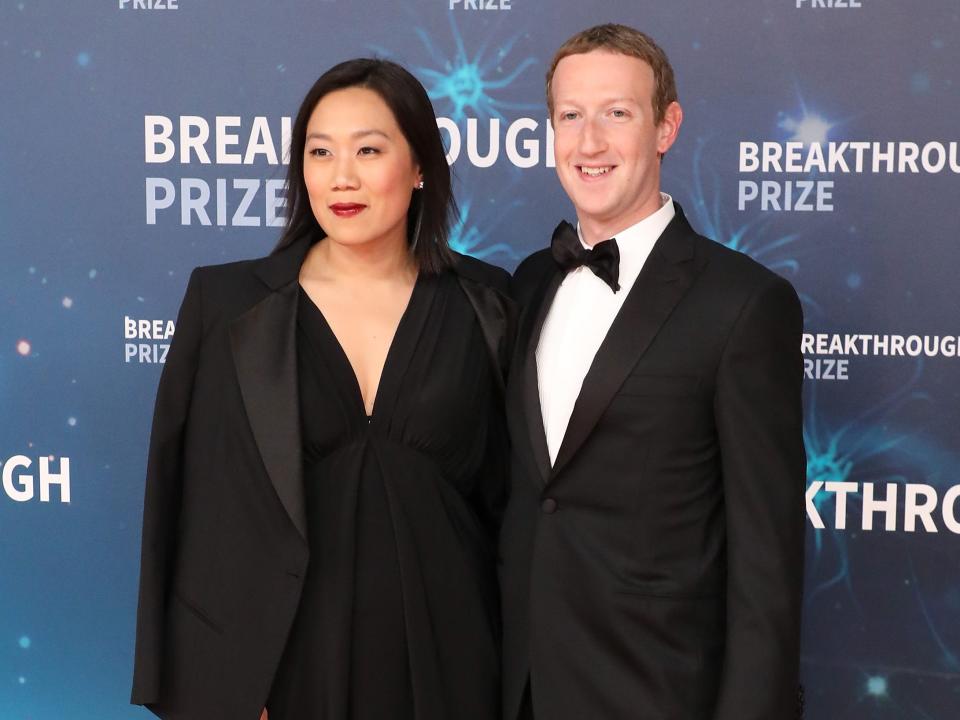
358	168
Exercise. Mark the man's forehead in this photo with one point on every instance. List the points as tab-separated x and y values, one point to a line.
603	75
603	58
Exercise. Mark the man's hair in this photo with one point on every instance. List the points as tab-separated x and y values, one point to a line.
623	40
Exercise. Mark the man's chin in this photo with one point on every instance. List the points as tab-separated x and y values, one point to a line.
592	212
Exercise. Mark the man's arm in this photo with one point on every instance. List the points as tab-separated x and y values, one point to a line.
759	418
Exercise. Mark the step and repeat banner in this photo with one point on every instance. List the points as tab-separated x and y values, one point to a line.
141	138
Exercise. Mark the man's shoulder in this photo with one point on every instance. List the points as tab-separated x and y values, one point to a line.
736	278
734	264
538	261
531	270
713	255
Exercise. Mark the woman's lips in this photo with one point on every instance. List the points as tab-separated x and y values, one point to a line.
346	209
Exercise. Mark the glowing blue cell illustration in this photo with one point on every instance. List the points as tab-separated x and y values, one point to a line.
465	83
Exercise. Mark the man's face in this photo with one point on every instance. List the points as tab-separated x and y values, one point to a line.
606	142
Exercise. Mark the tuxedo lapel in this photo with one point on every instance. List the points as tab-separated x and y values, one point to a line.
530	390
263	341
666	276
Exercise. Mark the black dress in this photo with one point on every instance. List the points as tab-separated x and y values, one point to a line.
398	618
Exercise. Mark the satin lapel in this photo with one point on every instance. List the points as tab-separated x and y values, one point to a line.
496	316
264	346
666	276
530	392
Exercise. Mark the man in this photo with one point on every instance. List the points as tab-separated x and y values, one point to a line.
653	543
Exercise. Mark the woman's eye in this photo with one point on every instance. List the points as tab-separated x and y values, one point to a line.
367	150
319	152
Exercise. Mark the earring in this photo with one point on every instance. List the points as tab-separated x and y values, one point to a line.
419	186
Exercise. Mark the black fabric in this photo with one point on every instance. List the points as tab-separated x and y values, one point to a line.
603	259
526	706
397	619
654	570
224	551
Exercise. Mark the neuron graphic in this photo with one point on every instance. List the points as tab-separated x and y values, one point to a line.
851	451
808	128
755	236
463	84
750	237
467	238
866	449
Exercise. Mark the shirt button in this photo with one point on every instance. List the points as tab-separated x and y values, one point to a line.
549	506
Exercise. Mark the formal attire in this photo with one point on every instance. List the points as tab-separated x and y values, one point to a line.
652	545
303	556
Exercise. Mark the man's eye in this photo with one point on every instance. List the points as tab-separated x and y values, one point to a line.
619	113
568	116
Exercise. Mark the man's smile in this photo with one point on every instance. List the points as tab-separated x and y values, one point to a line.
594	171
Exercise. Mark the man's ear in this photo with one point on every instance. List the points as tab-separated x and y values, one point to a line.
669	127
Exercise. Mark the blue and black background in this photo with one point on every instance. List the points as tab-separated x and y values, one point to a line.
882	608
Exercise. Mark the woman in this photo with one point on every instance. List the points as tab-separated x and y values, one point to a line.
327	458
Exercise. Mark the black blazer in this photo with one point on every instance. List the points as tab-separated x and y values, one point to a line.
224	527
655	571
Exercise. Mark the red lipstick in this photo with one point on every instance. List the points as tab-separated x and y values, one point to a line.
346	209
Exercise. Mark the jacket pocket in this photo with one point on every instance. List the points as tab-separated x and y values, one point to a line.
197	612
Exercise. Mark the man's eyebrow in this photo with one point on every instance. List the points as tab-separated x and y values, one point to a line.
604	101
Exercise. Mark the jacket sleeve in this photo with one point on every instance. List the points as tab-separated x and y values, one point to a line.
161	504
759	418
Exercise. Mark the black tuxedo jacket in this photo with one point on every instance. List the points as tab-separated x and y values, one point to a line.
224	526
655	571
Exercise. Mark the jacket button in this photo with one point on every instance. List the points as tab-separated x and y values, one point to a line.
549	506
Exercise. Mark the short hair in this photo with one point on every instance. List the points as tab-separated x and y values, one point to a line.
623	40
433	206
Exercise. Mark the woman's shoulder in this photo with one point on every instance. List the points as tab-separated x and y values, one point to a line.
223	277
228	289
488	289
482	272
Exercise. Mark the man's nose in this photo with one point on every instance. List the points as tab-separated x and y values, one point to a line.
592	138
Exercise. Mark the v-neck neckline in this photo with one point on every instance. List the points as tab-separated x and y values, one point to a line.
394	350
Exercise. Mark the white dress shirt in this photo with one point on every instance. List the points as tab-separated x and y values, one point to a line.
580	317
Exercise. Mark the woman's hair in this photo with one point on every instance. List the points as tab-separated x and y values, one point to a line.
432	208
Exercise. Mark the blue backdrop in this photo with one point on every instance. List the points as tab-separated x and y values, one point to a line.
140	138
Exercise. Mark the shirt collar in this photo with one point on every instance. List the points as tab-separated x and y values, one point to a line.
636	242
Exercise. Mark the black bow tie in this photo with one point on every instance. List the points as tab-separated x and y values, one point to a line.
603	259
